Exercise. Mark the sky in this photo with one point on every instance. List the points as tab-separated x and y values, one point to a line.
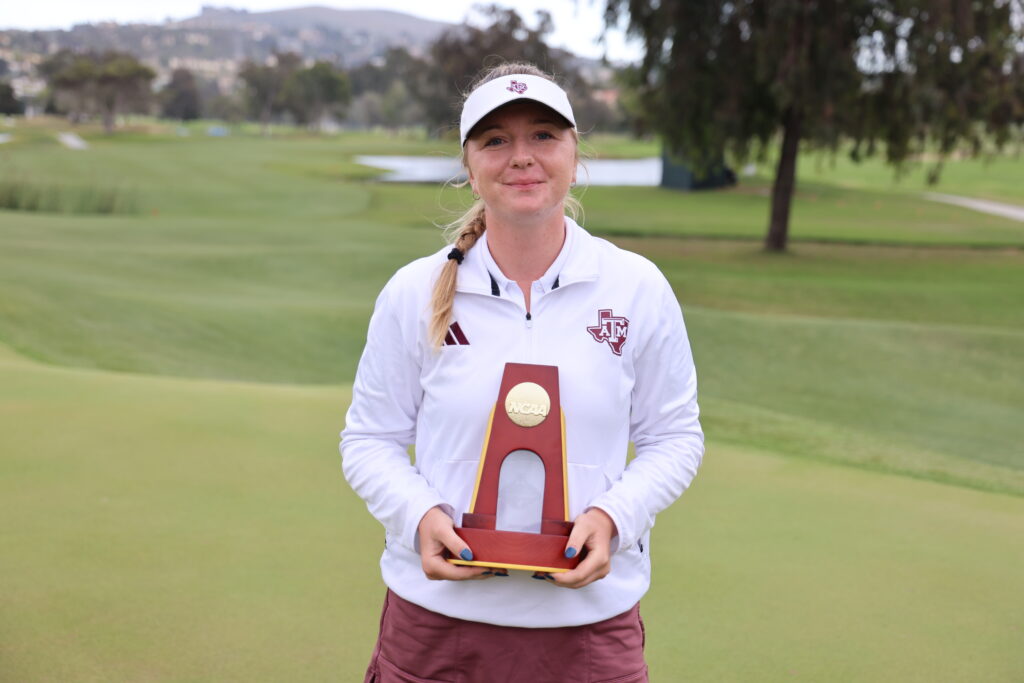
578	23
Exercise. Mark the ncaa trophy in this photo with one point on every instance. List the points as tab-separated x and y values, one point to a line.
526	417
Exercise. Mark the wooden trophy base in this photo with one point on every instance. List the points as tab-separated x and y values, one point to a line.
517	550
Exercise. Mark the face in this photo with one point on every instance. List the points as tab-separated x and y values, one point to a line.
521	160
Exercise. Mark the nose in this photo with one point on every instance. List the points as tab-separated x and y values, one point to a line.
521	155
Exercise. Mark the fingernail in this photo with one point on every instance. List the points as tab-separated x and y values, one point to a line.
466	555
548	577
486	573
570	553
501	573
539	577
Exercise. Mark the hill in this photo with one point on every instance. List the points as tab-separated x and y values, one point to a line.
382	23
214	43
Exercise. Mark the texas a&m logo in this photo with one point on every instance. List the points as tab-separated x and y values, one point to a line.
517	87
610	328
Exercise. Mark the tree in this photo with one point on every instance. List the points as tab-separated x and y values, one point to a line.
397	109
460	52
225	107
9	104
378	76
70	77
383	90
720	75
265	83
122	84
311	94
107	83
180	97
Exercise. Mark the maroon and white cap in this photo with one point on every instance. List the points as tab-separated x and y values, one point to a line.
505	89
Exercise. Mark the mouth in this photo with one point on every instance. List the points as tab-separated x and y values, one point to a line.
525	184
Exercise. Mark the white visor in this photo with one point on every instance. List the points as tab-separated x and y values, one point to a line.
501	91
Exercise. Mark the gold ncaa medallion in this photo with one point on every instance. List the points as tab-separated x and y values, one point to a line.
527	404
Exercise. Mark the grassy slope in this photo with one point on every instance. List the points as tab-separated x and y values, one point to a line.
259	260
821	212
206	534
993	176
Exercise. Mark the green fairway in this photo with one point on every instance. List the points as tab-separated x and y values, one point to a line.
997	176
173	378
160	529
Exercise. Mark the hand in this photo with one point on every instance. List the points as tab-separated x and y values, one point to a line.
437	533
592	530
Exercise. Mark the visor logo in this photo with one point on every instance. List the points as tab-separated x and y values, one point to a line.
517	87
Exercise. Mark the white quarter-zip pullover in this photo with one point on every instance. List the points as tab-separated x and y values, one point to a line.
609	321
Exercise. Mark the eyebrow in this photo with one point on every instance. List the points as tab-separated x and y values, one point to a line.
534	122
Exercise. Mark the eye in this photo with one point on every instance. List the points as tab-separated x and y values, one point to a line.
492	142
545	135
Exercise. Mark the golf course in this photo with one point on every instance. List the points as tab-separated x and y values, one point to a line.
181	317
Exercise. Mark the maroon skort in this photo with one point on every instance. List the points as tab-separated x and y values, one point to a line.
419	646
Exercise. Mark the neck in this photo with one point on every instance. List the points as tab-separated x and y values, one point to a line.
525	251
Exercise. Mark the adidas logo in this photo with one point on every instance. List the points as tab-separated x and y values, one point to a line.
455	336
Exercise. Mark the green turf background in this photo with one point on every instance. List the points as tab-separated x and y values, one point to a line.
173	378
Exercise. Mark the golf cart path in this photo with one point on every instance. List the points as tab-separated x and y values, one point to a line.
72	141
1011	211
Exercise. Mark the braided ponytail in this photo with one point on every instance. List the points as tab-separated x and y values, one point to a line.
466	231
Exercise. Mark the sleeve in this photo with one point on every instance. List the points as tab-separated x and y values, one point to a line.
664	428
381	425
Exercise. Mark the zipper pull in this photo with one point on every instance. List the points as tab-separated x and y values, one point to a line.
529	320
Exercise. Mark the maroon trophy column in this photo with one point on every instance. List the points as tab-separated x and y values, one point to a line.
527	416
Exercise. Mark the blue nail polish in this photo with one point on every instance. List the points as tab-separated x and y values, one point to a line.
466	555
548	577
501	573
538	577
570	553
486	573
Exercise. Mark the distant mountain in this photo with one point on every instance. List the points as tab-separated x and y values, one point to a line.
215	43
384	23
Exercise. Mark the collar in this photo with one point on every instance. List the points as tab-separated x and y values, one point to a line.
576	262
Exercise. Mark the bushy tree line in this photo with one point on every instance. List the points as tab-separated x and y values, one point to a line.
9	103
398	89
97	83
285	86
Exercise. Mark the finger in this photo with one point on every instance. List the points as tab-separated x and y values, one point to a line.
439	569
593	568
455	545
581	533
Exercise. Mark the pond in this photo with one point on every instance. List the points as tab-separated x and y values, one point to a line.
406	169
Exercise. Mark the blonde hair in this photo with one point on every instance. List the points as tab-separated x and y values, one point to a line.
463	232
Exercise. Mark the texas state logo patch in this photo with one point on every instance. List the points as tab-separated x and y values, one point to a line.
610	328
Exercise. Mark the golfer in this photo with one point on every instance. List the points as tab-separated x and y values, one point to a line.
523	282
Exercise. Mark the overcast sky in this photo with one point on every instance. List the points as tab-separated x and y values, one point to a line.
578	23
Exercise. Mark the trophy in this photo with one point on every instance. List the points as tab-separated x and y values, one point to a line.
526	419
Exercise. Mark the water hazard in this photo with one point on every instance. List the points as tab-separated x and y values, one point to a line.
406	169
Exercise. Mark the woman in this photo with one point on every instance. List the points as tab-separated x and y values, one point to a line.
522	282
